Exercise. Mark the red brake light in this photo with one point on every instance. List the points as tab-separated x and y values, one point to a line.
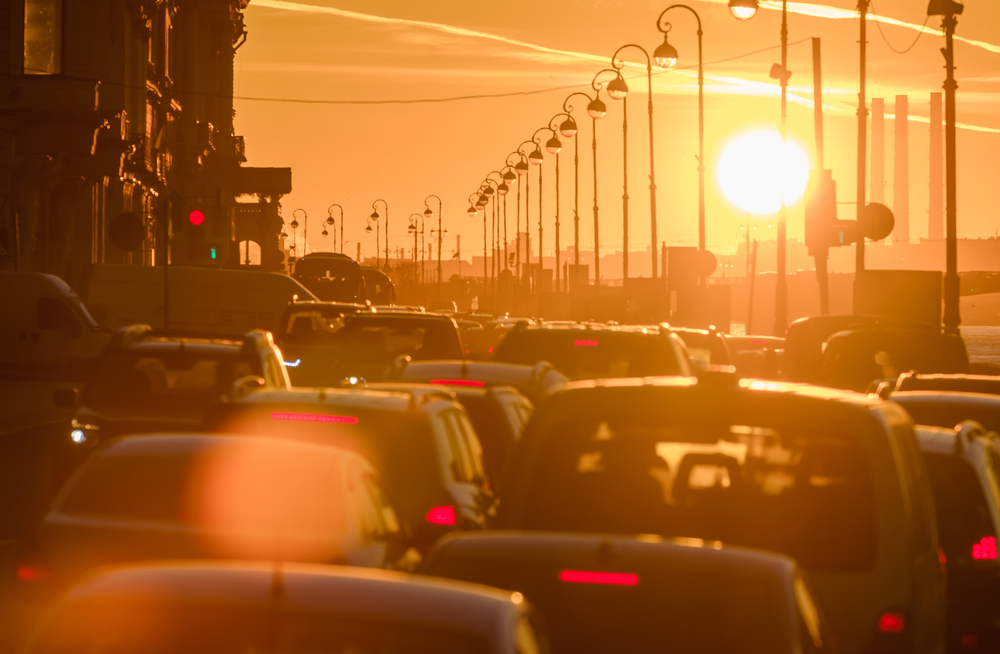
314	417
608	578
33	573
985	550
891	622
583	342
441	515
969	641
458	382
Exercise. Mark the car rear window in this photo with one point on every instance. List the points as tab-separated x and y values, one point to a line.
698	610
312	325
178	379
399	444
580	354
385	338
805	493
141	626
963	518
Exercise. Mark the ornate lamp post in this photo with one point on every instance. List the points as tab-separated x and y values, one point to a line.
509	177
368	228
553	145
527	194
376	216
618	90
305	228
597	109
569	129
520	167
618	63
440	234
414	220
330	221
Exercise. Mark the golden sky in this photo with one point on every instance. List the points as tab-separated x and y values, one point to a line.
367	61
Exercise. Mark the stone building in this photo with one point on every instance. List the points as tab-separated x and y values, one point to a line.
116	122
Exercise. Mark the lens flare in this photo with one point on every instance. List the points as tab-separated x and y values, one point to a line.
756	168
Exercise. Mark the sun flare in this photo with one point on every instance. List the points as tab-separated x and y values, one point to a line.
755	169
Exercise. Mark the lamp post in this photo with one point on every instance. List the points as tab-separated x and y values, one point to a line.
305	229
490	191
570	129
554	145
597	109
520	168
744	10
329	213
509	177
375	216
440	235
618	63
536	158
480	203
618	90
527	196
414	220
368	228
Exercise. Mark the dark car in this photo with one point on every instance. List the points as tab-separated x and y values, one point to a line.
707	347
531	381
592	352
331	276
147	382
379	289
304	337
421	442
804	338
618	594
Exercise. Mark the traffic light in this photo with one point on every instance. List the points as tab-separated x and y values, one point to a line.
822	229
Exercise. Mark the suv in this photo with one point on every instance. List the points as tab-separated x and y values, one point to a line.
331	276
963	472
305	333
596	351
421	442
148	382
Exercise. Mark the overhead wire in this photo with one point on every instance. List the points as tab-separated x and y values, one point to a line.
878	24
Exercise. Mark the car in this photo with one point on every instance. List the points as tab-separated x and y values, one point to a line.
421	442
233	608
965	480
949	408
472	338
379	288
498	414
830	478
331	276
147	381
757	356
304	338
706	347
603	593
804	339
369	343
194	496
853	359
447	307
913	381
531	381
591	352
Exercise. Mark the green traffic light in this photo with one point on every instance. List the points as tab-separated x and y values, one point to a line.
214	254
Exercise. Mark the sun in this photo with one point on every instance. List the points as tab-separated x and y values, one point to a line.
755	168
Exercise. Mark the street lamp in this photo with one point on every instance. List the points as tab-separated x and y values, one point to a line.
518	169
666	56
745	9
329	220
414	220
368	228
375	216
618	63
509	177
440	235
569	129
305	228
620	92
597	109
522	167
495	226
553	145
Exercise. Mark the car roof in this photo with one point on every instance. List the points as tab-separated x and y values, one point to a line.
189	443
617	552
383	313
162	345
422	390
359	593
945	397
489	372
369	399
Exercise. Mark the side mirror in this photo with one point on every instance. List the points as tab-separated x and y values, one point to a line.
66	397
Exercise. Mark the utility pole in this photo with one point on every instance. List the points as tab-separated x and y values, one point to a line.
859	252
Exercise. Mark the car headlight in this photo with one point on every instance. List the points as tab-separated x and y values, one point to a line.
82	432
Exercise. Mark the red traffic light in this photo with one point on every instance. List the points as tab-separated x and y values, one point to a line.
196	217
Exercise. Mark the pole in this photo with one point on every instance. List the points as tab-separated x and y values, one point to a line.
781	288
701	125
506	259
517	240
652	167
341	230
576	200
541	261
164	218
859	251
386	234
821	257
952	319
558	285
753	278
625	190
597	240
527	220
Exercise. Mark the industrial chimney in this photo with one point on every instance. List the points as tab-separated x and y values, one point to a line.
878	151
901	174
935	205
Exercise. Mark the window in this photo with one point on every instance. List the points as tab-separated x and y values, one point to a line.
54	314
461	462
963	517
43	37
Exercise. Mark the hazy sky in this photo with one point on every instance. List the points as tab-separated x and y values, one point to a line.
357	146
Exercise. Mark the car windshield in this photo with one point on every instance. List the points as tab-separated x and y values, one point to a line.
399	444
385	338
179	378
804	493
580	354
706	347
963	518
701	609
142	626
315	324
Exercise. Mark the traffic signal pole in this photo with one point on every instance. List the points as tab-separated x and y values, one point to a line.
951	282
822	279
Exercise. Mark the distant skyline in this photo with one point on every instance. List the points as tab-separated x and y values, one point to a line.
353	153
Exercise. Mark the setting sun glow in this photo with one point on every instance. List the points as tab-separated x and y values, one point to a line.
755	169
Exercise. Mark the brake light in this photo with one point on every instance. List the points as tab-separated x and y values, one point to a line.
891	622
458	382
969	641
985	549
607	578
585	343
441	515
34	573
314	417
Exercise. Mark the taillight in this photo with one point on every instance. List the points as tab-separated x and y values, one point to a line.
985	549
441	515
607	578
33	573
969	641
892	622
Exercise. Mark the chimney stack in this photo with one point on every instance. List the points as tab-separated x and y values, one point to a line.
901	174
878	151
935	206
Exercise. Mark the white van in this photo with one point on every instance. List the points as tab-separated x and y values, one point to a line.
205	300
46	333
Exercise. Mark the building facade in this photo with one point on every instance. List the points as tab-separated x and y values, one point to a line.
116	123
